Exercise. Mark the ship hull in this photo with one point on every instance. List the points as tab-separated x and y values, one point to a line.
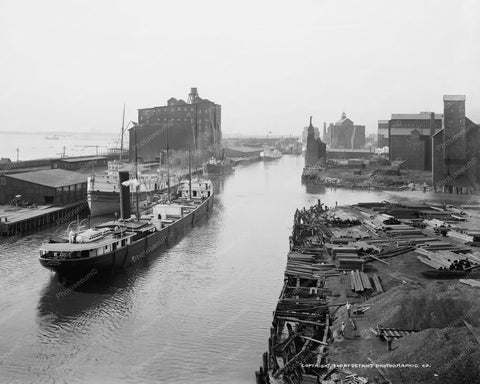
218	169
133	253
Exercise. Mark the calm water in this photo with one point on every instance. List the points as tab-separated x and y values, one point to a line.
36	146
199	312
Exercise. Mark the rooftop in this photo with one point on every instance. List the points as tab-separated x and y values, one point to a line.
84	158
415	116
454	98
54	178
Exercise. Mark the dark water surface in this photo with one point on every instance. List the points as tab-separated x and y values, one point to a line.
199	312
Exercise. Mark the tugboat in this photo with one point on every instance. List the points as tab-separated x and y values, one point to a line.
120	243
214	167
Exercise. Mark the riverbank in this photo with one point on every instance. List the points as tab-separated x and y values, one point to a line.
400	324
367	179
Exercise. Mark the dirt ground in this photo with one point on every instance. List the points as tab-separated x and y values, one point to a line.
443	351
346	178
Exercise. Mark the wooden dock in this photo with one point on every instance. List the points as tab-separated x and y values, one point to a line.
20	220
328	250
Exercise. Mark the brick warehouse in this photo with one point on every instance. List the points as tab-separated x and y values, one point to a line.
345	134
409	138
197	121
456	150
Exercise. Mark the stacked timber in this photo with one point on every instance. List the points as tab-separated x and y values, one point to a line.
350	263
359	281
471	282
443	259
306	267
462	237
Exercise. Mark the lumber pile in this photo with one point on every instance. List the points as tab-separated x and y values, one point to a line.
470	282
462	237
359	281
378	285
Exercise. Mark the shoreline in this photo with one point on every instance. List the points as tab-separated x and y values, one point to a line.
389	294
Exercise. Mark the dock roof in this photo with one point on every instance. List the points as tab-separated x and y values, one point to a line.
54	178
83	158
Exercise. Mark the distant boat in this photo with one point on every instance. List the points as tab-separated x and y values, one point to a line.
271	154
53	137
214	167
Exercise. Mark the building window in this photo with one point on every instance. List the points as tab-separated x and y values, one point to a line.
3	180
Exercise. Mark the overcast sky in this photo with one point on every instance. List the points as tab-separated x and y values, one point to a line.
70	65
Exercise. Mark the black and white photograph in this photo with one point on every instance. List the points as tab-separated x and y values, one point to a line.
219	191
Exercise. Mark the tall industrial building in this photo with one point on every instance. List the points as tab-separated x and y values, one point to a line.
195	122
316	152
410	138
456	150
345	134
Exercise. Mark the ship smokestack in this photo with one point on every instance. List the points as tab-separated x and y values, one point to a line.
124	195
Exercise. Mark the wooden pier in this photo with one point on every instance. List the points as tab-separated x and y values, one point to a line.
21	220
325	272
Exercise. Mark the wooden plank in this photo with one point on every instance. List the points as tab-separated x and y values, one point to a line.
314	340
472	330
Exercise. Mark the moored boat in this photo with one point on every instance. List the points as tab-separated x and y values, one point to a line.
120	243
214	167
271	154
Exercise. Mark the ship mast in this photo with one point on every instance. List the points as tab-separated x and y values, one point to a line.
168	165
189	169
136	170
121	139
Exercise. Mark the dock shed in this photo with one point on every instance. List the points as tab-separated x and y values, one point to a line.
85	163
49	186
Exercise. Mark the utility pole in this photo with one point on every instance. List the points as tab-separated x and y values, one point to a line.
18	151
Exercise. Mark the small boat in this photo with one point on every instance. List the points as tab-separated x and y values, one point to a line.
214	167
120	243
271	154
54	137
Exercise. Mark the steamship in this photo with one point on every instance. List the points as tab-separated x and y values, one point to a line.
103	194
214	167
271	154
121	243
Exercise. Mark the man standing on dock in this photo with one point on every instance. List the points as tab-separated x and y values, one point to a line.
342	329
349	308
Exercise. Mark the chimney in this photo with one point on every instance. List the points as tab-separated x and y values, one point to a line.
432	124
124	195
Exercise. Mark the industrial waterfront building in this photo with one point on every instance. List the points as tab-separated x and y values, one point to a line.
195	123
409	138
345	134
49	186
456	149
316	134
82	164
382	135
316	153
